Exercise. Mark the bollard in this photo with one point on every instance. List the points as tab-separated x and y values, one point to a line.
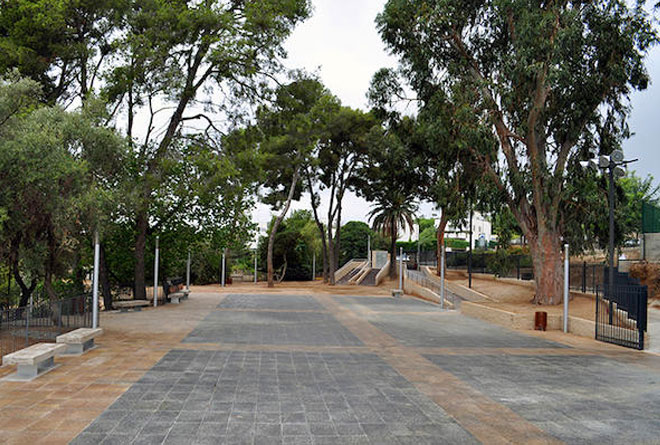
566	294
156	276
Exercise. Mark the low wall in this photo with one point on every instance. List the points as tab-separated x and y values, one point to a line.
412	288
384	272
525	322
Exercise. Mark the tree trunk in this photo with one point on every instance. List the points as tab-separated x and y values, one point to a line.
338	235
545	249
393	255
440	239
332	268
324	242
26	292
79	275
50	265
104	278
276	224
141	226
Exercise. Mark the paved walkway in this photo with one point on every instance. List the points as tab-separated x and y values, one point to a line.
314	367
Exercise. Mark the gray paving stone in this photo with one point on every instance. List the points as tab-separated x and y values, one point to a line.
272	328
314	398
578	399
453	331
272	301
380	304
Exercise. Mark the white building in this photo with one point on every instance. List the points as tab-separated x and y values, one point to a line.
482	232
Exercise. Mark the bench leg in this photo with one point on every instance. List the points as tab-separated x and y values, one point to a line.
175	300
28	372
123	309
79	348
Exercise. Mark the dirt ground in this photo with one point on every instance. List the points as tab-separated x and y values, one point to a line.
514	297
301	287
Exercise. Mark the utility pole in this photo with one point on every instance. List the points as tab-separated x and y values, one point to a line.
470	252
369	250
442	277
401	268
566	290
612	164
188	272
224	254
156	275
95	281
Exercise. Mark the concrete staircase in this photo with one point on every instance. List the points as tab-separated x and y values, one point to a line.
349	275
370	279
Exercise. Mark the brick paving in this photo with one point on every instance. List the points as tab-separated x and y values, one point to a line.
322	368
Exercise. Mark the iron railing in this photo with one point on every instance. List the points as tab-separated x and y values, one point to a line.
429	283
621	315
42	322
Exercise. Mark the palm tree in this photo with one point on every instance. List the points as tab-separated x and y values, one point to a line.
391	212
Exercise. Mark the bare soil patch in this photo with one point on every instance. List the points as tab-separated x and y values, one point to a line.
516	298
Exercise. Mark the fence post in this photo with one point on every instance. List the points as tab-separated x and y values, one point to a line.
584	276
255	265
566	292
518	266
314	267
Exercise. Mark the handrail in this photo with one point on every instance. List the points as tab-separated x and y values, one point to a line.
360	276
346	268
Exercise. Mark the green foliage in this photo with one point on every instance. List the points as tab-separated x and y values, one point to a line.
51	162
354	240
637	191
428	238
290	129
294	241
456	243
505	227
548	84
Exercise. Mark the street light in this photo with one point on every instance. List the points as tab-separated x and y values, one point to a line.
612	164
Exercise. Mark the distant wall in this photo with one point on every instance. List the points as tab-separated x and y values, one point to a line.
651	247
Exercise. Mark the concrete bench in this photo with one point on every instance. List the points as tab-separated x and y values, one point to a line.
176	297
79	341
33	361
397	293
125	306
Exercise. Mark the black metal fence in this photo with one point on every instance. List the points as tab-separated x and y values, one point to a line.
621	315
43	321
586	277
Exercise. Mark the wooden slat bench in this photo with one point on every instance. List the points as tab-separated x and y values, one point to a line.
79	341
125	306
33	361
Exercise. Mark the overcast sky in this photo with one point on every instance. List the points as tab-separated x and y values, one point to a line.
341	44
